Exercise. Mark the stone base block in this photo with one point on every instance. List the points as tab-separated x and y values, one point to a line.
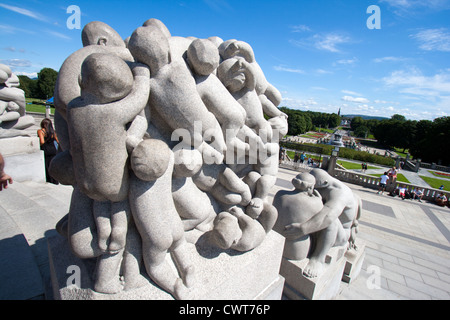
24	161
221	275
355	259
325	287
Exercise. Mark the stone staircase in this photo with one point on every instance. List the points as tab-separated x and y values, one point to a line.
29	212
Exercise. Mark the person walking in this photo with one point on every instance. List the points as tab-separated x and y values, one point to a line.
383	180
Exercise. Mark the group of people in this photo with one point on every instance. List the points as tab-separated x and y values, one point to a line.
302	157
401	191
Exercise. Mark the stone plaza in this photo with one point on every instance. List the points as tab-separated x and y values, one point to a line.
407	243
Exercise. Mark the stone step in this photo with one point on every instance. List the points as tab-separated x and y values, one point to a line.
29	212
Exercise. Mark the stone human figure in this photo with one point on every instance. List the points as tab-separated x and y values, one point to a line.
9	111
238	76
297	206
195	214
333	223
97	37
204	58
111	97
269	96
223	184
174	94
157	219
236	230
12	105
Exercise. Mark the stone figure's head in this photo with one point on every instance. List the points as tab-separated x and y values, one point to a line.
150	159
279	125
158	24
99	33
323	179
105	78
304	182
203	56
187	162
234	48
150	46
226	231
12	106
5	73
235	74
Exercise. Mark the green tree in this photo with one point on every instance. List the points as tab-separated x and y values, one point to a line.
29	86
46	83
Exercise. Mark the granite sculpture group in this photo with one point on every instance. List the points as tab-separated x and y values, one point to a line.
13	119
163	135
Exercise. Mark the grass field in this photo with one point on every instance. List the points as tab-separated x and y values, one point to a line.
353	166
436	183
436	174
400	177
35	105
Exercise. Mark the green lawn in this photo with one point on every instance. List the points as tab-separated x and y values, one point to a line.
439	175
436	183
352	165
400	177
37	105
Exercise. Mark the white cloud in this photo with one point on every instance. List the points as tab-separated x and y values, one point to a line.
433	39
346	61
353	93
17	63
30	75
403	7
415	83
24	12
330	41
286	69
388	59
58	35
353	99
324	41
300	28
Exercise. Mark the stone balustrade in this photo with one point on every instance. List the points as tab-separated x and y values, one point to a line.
366	180
372	182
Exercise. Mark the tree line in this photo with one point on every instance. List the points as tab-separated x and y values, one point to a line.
425	139
300	122
41	88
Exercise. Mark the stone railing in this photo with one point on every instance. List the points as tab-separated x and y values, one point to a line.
374	183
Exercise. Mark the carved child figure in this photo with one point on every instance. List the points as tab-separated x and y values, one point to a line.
297	206
195	214
204	58
333	223
174	94
157	219
236	230
110	98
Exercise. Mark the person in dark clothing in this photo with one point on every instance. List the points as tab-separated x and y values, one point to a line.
49	144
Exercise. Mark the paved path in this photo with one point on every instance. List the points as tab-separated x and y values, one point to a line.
413	177
407	243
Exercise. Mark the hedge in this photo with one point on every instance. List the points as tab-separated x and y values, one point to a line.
346	153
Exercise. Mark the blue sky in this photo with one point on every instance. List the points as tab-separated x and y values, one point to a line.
320	54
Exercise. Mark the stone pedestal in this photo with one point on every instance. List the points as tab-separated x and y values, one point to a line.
221	275
324	287
355	259
24	161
